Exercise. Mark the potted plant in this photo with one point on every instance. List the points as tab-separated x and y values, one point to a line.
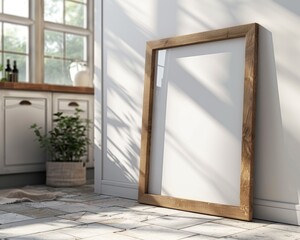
66	145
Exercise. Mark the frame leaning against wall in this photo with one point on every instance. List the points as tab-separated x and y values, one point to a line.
244	210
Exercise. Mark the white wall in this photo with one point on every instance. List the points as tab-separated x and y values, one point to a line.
128	24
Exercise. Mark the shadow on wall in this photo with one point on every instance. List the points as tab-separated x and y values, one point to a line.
122	111
291	6
290	69
269	133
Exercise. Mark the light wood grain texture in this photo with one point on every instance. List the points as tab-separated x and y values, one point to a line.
203	37
147	114
45	88
246	198
244	210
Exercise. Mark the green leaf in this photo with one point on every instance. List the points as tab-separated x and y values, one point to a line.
68	140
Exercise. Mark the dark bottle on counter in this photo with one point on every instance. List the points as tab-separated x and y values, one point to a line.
8	71
15	72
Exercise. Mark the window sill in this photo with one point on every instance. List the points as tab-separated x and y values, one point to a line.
45	87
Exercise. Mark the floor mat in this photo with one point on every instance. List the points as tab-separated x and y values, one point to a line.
27	195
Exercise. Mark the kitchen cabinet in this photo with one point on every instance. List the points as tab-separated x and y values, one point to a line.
19	150
19	110
67	103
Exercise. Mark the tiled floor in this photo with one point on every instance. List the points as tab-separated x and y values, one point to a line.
82	214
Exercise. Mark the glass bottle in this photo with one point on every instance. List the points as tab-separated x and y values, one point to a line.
15	72
8	71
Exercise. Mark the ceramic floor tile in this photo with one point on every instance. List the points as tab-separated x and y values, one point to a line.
175	222
138	215
89	230
86	189
46	204
51	235
13	208
100	197
112	211
128	213
83	214
214	230
266	233
70	200
111	236
242	224
104	202
92	197
285	227
12	217
41	213
123	223
23	209
113	202
156	232
74	216
201	237
141	207
34	226
197	216
163	211
76	207
82	198
86	217
101	214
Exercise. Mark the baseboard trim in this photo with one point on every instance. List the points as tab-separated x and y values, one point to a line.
120	189
277	211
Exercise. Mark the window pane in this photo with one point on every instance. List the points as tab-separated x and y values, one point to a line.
2	68
15	38
54	44
22	65
1	37
75	14
54	11
57	72
75	47
16	7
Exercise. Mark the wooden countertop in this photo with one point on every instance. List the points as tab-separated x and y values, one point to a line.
45	87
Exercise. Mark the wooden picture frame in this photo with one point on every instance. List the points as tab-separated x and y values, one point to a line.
244	211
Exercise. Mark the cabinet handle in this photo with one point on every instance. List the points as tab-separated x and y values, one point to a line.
73	104
25	103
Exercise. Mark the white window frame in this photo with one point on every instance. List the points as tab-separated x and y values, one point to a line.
37	25
23	21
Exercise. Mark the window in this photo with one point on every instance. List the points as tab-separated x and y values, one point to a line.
49	39
14	30
9	7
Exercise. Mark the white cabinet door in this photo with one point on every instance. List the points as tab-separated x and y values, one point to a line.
67	103
21	153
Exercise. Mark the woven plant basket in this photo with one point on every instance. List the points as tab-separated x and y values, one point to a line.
65	174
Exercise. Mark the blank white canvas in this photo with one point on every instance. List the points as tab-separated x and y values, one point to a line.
197	122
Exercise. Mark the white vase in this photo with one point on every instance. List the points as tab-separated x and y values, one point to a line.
82	78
